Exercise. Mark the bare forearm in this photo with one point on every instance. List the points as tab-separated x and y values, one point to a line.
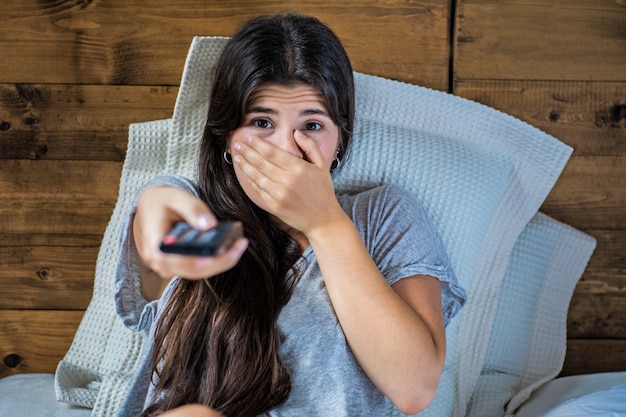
393	344
152	285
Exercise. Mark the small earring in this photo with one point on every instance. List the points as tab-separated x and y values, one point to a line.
228	158
336	162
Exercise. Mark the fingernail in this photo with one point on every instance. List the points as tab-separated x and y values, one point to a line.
240	249
238	146
204	221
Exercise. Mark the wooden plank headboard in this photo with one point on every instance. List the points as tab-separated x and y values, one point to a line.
73	75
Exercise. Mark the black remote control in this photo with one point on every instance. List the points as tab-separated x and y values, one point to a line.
184	240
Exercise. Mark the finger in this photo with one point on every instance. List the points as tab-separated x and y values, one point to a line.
310	149
264	156
200	267
191	209
166	205
261	172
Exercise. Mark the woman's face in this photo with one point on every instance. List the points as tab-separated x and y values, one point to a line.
275	112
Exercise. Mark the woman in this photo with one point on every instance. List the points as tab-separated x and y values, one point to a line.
331	302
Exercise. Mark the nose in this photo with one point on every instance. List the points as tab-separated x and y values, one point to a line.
284	139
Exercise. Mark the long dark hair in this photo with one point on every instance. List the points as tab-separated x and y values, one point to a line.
217	342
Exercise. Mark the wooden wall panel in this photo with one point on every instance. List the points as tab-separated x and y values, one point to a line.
540	40
64	274
128	42
591	193
559	66
586	356
57	197
76	122
589	116
34	340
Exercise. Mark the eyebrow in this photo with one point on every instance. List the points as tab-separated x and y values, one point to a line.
269	110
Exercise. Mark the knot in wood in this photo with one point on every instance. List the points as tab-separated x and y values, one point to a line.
554	116
30	121
44	273
618	113
12	360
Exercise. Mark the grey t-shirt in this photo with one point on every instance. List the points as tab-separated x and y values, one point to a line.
326	378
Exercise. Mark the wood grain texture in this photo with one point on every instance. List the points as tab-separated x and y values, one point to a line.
559	66
580	40
589	116
34	340
57	197
599	301
76	122
125	42
586	356
591	193
47	277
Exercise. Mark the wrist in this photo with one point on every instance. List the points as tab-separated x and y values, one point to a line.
328	231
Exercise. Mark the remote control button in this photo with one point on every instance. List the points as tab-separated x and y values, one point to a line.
189	236
170	239
207	236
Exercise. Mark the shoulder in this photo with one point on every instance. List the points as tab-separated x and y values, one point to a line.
385	210
172	180
385	199
169	180
177	181
381	192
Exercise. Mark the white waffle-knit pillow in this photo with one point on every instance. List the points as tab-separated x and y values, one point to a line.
528	341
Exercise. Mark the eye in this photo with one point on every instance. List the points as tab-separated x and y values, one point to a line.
312	126
262	123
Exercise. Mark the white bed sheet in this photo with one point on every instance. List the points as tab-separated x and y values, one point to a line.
32	395
597	395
